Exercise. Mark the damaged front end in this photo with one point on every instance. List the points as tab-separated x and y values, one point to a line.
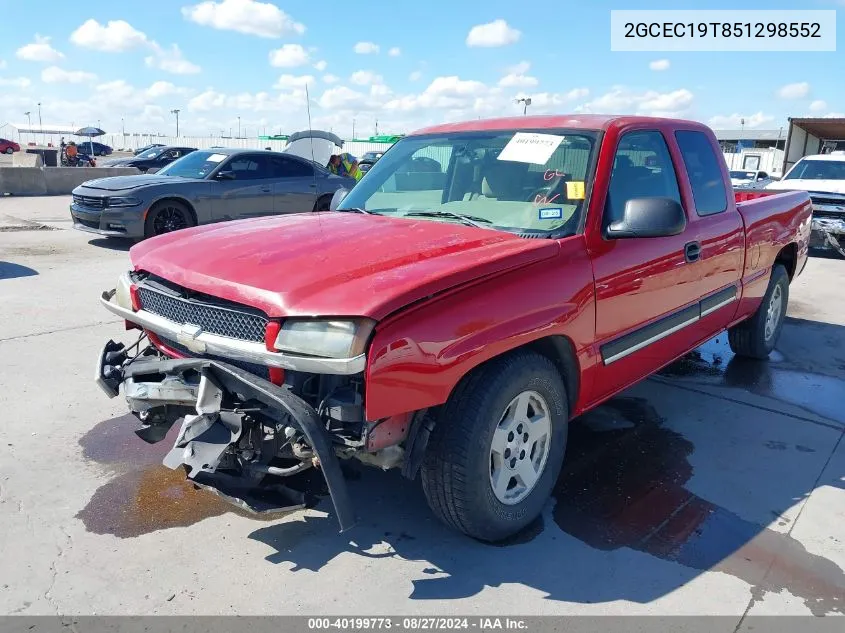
242	437
828	225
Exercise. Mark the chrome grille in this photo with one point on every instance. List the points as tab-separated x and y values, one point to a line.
243	326
89	202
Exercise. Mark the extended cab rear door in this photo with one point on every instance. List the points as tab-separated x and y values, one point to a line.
648	289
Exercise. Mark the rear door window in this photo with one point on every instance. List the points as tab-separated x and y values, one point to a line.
250	167
704	172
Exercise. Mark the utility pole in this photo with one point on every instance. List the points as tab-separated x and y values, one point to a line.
29	118
176	112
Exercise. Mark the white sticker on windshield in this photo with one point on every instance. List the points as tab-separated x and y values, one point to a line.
216	158
529	147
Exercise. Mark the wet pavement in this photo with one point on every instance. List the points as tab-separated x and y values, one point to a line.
717	486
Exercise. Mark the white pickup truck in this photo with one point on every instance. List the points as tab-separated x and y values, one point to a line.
823	176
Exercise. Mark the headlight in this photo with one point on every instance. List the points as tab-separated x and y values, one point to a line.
122	296
325	337
123	202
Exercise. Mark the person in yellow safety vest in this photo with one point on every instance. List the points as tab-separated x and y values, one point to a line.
345	165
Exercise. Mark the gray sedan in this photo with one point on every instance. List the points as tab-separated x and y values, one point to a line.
202	187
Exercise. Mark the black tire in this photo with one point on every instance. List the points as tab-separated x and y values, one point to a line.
749	338
167	216
323	203
10	151
456	471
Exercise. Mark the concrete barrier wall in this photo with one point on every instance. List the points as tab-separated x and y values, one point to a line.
53	181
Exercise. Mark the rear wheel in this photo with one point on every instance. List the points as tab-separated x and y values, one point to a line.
757	336
9	150
497	448
167	216
323	203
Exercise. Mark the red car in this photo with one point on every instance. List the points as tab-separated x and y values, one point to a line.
8	147
450	322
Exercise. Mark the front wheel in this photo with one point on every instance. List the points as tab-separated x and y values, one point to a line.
757	336
498	446
10	151
323	203
167	216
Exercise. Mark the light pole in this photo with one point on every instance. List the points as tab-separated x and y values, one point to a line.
239	127
122	126
176	112
40	125
526	101
29	118
353	129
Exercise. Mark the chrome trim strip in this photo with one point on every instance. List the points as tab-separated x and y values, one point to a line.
240	350
649	341
721	304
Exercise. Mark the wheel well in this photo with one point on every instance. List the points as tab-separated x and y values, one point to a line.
788	258
180	201
561	352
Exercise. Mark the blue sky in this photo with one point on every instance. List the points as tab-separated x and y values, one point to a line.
107	61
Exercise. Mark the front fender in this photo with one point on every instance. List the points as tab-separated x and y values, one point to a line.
419	355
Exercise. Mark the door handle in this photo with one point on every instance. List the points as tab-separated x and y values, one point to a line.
312	185
692	251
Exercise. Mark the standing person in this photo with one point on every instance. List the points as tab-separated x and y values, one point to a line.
71	153
345	165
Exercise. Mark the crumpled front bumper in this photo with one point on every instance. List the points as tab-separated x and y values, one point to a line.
198	388
828	233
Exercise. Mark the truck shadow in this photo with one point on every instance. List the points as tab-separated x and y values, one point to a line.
624	523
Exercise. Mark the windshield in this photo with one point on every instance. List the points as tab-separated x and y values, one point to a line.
194	165
817	170
150	153
744	175
509	180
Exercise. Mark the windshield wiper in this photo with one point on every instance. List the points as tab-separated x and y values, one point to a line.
469	220
355	210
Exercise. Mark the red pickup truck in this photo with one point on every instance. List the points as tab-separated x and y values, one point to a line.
483	285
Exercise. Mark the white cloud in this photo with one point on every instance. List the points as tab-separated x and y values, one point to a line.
366	48
39	51
818	106
290	82
395	51
794	91
343	98
114	37
171	60
620	100
659	64
518	81
444	92
495	33
18	82
577	93
56	75
244	16
330	79
211	100
289	56
365	78
415	76
734	121
164	89
320	66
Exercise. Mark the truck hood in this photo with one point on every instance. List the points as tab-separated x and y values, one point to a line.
821	186
128	183
333	264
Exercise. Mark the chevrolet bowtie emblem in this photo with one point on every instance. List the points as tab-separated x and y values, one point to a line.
187	337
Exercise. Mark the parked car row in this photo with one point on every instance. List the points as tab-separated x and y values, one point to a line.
205	186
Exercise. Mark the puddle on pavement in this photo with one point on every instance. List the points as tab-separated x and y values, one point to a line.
145	495
622	485
714	364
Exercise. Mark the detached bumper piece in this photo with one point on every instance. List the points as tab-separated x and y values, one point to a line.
828	233
208	393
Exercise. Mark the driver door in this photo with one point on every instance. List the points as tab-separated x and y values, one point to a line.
247	192
647	290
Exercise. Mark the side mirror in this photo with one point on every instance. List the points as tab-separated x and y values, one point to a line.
337	198
225	175
649	217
